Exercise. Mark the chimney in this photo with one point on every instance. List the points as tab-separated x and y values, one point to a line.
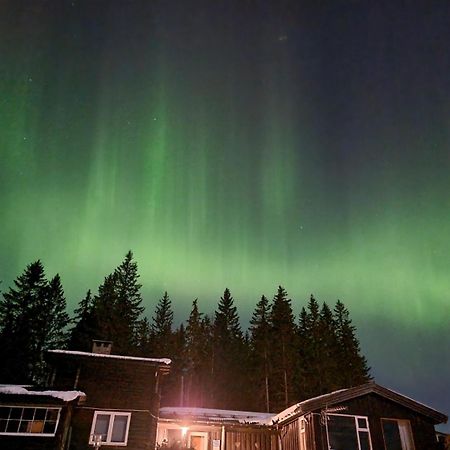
101	347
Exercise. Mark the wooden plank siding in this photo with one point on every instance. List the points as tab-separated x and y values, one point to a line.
372	406
244	438
115	385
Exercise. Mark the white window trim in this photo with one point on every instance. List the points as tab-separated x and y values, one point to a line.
357	427
20	433
401	430
112	415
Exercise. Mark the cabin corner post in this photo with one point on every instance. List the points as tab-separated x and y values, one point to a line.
222	438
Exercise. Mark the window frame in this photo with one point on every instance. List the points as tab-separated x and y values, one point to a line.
407	422
358	429
112	415
31	421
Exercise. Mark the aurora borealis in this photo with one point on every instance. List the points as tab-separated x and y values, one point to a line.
240	144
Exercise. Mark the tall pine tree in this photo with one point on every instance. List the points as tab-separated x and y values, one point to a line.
162	323
33	319
197	385
228	355
283	355
260	351
354	368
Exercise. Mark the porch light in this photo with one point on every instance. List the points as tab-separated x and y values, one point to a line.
184	430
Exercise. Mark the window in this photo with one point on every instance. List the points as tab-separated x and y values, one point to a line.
112	427
40	421
397	434
348	432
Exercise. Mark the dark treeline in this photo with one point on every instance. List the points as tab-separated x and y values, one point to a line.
280	360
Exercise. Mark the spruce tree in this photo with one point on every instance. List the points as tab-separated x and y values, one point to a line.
128	303
144	338
32	320
260	350
283	354
328	366
228	355
117	307
198	356
83	331
162	323
353	365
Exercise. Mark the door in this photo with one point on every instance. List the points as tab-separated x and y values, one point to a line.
198	440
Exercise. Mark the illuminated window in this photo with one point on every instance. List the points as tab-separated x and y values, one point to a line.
348	432
397	434
38	421
110	427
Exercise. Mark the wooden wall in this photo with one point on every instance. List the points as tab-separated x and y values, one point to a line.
116	385
375	408
245	438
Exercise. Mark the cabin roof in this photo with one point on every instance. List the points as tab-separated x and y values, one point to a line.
215	415
77	354
66	396
342	395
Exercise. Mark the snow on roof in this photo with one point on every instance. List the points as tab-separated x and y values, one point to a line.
298	406
216	415
66	396
165	361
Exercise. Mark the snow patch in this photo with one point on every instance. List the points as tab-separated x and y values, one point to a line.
66	396
165	361
218	415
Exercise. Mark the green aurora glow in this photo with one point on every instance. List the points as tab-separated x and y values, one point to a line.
232	156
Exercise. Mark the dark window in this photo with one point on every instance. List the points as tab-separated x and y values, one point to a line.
397	434
24	420
348	432
111	428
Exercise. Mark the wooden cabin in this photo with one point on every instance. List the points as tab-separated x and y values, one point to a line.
367	417
35	420
122	397
212	429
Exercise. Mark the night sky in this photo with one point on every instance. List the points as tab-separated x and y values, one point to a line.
240	144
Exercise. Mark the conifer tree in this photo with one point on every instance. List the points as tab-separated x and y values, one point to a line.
328	366
129	302
162	323
198	355
144	338
228	355
116	308
283	354
83	331
33	319
260	350
353	365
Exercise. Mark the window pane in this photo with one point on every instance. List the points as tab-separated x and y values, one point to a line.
50	427
4	412
40	413
391	434
52	414
28	413
2	425
101	425
13	426
362	422
364	440
342	433
16	413
119	429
